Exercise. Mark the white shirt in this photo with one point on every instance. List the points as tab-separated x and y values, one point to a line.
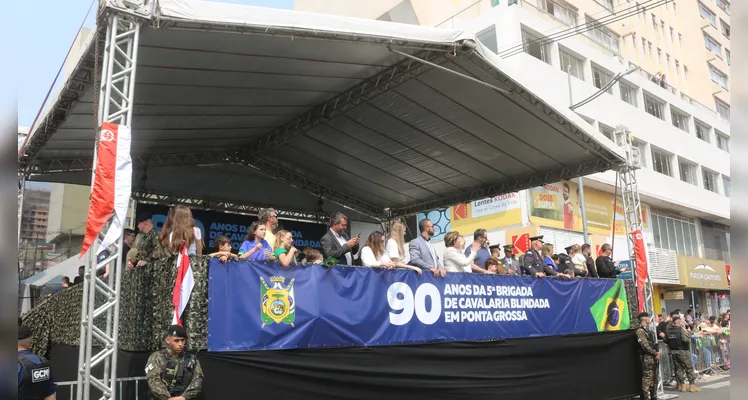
370	260
579	259
393	251
455	260
192	250
343	242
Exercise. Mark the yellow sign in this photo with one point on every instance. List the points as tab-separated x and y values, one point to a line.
558	205
675	295
520	238
490	213
702	273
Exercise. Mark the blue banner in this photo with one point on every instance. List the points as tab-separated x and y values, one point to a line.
262	306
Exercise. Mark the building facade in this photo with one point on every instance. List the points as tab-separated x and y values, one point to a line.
680	126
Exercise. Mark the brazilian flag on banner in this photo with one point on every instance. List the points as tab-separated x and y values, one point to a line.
611	311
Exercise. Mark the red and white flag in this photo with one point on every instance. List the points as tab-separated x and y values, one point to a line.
112	185
183	286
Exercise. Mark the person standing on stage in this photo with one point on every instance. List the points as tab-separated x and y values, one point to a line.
269	218
649	356
336	244
480	242
606	267
35	380
510	262
532	261
172	373
422	253
589	261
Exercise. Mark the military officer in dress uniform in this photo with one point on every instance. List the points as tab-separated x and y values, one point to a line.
649	356
172	373
35	380
510	262
532	261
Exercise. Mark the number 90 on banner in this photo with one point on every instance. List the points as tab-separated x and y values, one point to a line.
404	304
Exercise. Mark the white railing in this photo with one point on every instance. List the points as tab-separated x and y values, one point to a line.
133	383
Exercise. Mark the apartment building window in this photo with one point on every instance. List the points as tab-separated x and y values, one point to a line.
576	64
535	48
677	67
677	234
685	71
725	28
489	39
707	14
687	172
679	119
633	40
603	36
600	78
680	39
642	147
649	45
644	45
727	56
722	141
722	109
654	23
667	57
662	28
713	45
718	76
724	5
661	162
710	180
563	12
702	131
606	3
659	55
672	35
606	130
642	14
654	107
726	185
628	93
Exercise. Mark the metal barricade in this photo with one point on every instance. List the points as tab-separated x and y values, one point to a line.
134	388
710	353
667	369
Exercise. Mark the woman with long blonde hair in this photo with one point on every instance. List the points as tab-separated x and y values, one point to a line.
163	236
284	249
375	255
395	248
184	232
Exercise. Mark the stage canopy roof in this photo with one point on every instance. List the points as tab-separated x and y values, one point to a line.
254	106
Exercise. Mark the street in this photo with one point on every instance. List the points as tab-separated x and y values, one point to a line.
713	388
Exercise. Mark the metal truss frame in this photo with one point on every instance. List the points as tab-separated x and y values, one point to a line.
115	105
229	207
376	85
632	213
155	160
586	168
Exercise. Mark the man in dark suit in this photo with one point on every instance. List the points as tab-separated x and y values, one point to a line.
336	244
606	267
532	261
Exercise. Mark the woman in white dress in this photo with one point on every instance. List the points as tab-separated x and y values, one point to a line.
454	254
184	231
579	260
396	244
374	255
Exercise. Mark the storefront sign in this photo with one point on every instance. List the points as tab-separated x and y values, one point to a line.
702	273
489	213
675	295
520	238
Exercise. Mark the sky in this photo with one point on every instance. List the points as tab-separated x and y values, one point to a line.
43	47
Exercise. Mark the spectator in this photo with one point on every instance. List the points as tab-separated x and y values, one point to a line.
65	284
184	232
493	266
589	261
373	254
563	267
564	261
495	251
454	260
480	240
579	261
336	244
657	78
223	245
547	253
79	279
163	237
422	254
396	243
663	81
255	247
606	267
147	242
312	256
532	261
510	262
269	218
284	249
129	237
689	318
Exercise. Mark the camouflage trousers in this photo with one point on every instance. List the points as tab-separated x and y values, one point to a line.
683	366
649	378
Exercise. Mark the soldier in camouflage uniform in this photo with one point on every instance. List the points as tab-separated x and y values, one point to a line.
173	374
649	357
679	342
147	243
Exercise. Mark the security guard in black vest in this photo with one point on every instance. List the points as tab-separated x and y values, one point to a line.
532	261
679	342
172	373
35	380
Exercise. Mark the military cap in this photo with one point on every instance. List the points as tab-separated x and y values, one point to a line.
143	217
494	246
508	247
24	332
178	331
568	249
642	315
538	238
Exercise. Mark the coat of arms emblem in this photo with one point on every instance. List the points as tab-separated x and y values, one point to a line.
278	303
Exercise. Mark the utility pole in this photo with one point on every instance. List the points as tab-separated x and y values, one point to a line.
70	240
